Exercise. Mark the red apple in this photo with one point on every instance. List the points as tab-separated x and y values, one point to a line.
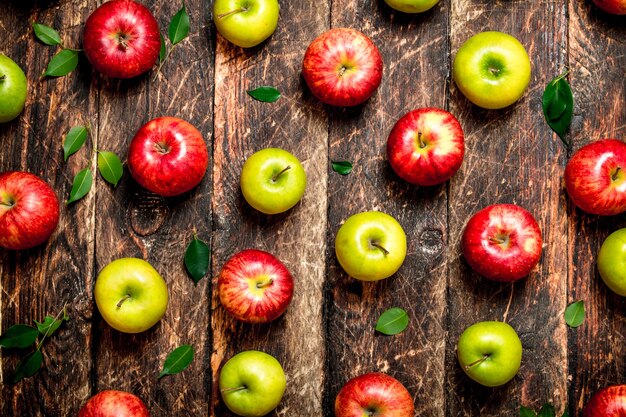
608	402
29	210
254	286
595	177
502	242
376	395
342	67
121	39
612	6
168	156
426	146
114	404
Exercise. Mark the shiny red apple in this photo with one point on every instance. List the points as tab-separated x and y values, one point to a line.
612	6
121	39
168	156
595	177
113	403
29	210
426	146
502	242
342	67
255	287
608	402
374	394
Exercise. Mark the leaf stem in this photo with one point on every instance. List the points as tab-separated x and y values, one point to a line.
477	361
167	55
239	10
47	333
275	177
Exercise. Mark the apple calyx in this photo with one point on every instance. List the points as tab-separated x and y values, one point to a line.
124	298
379	246
223	390
122	40
275	177
239	10
265	283
477	362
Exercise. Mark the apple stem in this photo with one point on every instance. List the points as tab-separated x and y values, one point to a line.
162	148
264	284
377	245
477	362
239	10
124	298
275	177
232	389
8	201
614	176
419	138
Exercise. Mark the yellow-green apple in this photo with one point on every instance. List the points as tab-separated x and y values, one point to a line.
252	383
612	6
612	262
370	246
426	146
374	395
492	69
272	180
246	23
168	156
608	402
121	39
254	286
113	403
29	210
342	67
490	353
502	242
13	89
131	295
412	6
595	177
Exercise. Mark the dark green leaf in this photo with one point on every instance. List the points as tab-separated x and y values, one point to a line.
179	26
547	410
575	314
62	63
265	94
177	361
110	167
392	321
558	106
74	141
197	259
81	185
28	366
163	51
18	336
46	34
342	167
526	412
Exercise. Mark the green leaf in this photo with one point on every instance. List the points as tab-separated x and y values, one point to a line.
265	94
62	63
74	141
50	324
179	26
526	412
47	35
81	185
547	410
197	259
392	321
19	336
28	366
163	52
110	167
575	314
558	106
342	167
177	361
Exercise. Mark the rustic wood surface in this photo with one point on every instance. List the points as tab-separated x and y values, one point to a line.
326	336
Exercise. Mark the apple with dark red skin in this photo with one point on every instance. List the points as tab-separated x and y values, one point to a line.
375	395
168	156
342	67
122	39
29	210
595	177
612	6
426	146
502	242
608	402
112	403
255	287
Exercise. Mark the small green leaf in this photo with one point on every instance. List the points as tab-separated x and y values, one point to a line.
197	259
526	412
74	141
265	94
47	35
179	26
50	324
62	63
178	360
575	314
110	167
18	336
81	185
392	321
342	167
163	52
558	106
28	366
547	410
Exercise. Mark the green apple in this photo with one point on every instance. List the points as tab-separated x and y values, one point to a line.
490	353
272	180
412	6
492	69
13	88
370	246
612	262
246	23
252	383
131	295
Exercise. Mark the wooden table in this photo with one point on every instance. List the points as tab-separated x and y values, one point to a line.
327	335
